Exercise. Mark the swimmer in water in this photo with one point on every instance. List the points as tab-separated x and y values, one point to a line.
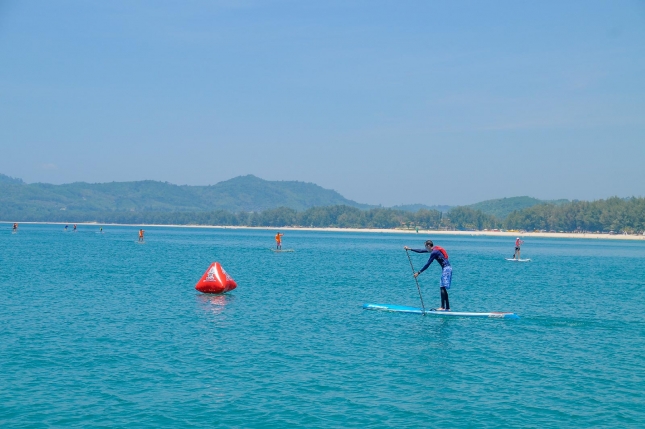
141	235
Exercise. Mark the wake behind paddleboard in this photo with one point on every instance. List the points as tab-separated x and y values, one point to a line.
415	310
518	260
281	250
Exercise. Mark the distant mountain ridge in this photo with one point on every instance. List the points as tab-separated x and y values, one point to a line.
19	200
243	193
251	201
7	179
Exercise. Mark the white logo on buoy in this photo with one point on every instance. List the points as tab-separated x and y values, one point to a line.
213	275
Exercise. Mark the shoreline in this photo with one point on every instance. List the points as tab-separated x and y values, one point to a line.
370	230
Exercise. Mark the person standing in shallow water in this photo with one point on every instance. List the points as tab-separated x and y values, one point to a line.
441	256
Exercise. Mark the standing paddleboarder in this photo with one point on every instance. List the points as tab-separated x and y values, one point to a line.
441	256
278	241
518	243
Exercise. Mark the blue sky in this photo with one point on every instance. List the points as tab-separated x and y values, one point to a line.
386	102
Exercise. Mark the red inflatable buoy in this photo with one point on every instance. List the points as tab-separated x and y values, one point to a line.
215	280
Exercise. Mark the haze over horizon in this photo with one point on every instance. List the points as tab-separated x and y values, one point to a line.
385	103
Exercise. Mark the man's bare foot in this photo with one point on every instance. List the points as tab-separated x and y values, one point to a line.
439	309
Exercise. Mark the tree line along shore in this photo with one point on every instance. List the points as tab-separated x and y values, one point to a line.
615	215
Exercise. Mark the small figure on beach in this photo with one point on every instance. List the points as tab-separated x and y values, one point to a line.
441	256
518	243
141	235
15	227
278	241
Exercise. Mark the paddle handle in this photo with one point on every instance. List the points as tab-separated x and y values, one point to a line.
416	281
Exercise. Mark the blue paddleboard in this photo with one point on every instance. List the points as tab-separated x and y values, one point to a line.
415	310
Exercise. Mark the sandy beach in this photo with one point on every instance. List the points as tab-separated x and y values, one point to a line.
509	234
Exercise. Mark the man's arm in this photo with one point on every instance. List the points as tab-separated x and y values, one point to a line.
420	250
433	256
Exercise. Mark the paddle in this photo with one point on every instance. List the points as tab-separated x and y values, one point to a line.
416	281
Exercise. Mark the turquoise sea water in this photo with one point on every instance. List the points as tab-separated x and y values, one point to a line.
99	331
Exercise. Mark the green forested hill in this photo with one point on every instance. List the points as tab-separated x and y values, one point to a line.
613	214
417	207
250	193
502	207
245	193
251	201
7	179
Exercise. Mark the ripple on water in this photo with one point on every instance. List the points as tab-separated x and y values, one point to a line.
99	331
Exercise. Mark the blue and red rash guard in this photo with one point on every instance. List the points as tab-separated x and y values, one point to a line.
441	257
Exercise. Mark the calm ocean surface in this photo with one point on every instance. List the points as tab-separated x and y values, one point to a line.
99	331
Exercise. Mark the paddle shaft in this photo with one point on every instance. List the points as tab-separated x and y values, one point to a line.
416	281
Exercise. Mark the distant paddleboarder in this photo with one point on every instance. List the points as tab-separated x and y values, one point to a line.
278	241
518	243
141	235
66	226
74	227
441	256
